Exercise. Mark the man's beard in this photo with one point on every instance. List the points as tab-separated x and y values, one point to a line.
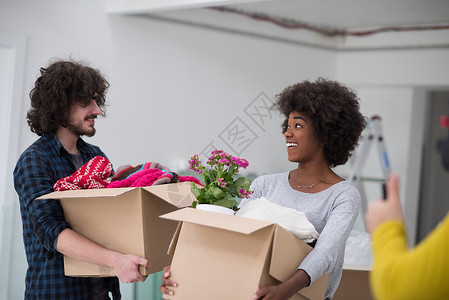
79	131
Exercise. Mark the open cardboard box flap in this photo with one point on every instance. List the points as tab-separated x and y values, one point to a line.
216	220
85	193
287	250
177	194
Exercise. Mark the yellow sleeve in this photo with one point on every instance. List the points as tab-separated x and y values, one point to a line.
418	273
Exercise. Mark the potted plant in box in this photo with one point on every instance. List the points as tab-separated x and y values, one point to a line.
220	187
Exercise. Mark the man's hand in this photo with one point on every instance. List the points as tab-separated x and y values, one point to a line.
126	267
166	282
387	209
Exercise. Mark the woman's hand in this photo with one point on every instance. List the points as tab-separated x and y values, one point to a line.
285	290
272	292
387	209
166	282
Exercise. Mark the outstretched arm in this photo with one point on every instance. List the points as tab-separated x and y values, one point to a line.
402	273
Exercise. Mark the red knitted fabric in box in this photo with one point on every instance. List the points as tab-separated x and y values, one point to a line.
92	175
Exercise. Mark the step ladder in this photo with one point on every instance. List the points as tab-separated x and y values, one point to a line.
372	134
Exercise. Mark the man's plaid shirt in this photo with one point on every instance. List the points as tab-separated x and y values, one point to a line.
38	168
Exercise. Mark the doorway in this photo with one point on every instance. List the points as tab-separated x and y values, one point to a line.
12	62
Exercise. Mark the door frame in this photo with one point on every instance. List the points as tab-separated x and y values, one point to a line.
15	46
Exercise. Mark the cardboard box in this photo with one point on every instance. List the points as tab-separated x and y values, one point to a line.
354	284
125	220
222	257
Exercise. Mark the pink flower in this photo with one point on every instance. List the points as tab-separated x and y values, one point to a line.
223	161
221	182
220	174
195	164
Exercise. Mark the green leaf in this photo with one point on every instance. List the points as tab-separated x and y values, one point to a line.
228	197
241	181
207	179
231	172
208	197
226	203
231	189
217	192
195	190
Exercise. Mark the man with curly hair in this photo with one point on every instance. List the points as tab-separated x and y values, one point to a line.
322	127
65	101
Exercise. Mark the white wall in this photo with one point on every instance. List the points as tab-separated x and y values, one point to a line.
187	85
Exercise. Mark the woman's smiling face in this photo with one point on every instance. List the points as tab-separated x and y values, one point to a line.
302	145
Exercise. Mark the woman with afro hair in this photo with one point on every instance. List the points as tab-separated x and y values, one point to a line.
322	127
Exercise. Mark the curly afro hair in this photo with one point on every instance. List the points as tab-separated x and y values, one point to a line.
61	85
334	111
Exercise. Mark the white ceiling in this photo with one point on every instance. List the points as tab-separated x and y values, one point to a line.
346	15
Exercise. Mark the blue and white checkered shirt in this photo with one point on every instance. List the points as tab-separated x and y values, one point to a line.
37	170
